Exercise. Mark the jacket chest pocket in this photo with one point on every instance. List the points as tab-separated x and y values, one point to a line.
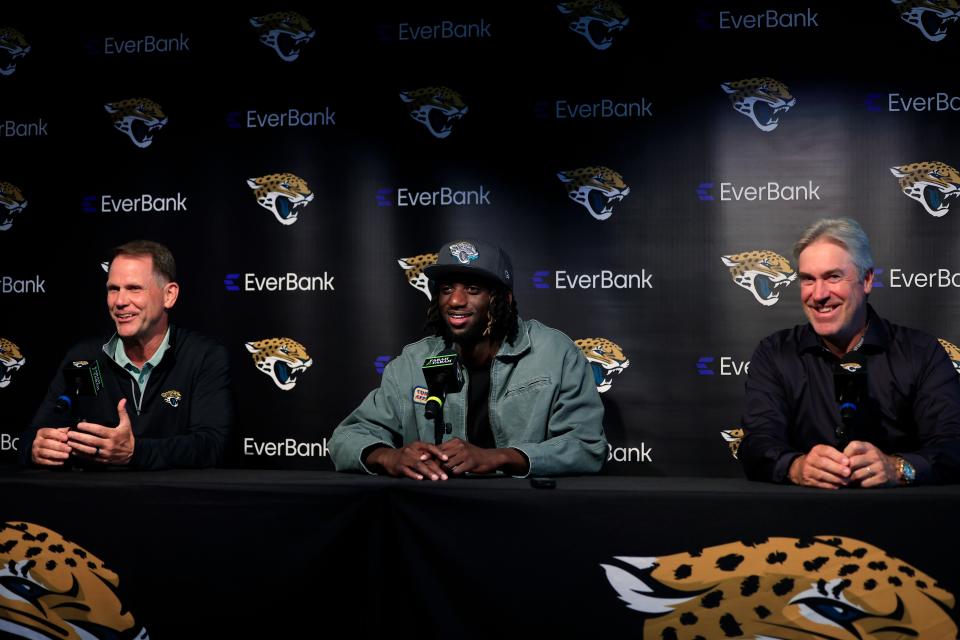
531	386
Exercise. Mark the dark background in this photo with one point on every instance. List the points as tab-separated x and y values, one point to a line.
673	57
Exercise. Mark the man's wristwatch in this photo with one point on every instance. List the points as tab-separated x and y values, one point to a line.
906	474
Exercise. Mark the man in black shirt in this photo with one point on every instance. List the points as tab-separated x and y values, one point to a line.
907	426
164	398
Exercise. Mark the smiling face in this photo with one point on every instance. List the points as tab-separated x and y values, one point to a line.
464	307
138	300
833	296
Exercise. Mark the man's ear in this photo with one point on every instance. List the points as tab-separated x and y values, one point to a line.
170	292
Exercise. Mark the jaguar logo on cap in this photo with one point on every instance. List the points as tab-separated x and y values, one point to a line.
464	252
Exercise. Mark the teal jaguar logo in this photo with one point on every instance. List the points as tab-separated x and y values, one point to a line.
172	397
282	359
138	118
12	204
13	47
817	587
51	587
436	108
935	185
606	359
931	17
953	352
413	271
596	20
282	194
762	273
733	438
596	189
11	360
464	252
763	100
286	32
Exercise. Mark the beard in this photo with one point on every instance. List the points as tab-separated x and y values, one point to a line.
472	335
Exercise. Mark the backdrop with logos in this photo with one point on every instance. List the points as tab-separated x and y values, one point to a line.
648	169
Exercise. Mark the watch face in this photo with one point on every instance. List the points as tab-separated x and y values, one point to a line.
907	471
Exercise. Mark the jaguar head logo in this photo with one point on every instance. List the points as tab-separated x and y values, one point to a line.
282	194
282	359
51	587
464	252
606	359
596	20
286	32
596	189
935	185
413	270
172	397
821	587
762	273
10	361
436	108
763	100
138	118
13	47
12	203
931	17
733	437
953	352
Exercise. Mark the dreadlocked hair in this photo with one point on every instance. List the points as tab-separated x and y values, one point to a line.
502	317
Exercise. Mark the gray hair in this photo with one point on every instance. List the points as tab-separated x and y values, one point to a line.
845	232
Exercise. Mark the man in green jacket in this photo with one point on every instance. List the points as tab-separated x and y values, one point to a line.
527	404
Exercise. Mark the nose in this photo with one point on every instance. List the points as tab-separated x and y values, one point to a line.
458	297
120	299
820	290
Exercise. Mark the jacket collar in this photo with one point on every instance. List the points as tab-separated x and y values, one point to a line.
877	338
520	345
169	354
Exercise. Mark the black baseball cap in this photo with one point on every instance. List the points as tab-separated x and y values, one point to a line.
470	256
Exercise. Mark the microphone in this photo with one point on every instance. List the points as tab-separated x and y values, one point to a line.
442	374
850	389
83	381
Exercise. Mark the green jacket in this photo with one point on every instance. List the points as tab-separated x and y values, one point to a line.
543	402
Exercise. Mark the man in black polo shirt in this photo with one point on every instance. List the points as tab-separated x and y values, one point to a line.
907	427
166	398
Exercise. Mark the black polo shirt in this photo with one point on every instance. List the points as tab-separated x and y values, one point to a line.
913	405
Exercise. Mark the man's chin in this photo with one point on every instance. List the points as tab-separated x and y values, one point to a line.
466	335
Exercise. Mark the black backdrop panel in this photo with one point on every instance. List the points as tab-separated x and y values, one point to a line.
528	100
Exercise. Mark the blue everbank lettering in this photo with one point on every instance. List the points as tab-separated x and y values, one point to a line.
444	30
147	44
769	19
443	197
602	109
